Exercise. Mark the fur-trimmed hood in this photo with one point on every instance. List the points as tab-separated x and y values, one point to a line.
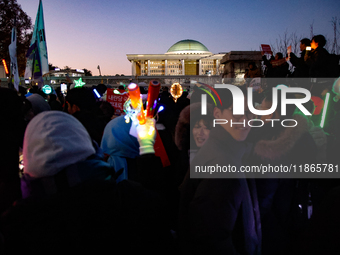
284	143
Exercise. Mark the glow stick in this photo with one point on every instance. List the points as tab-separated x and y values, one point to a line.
151	103
5	66
161	108
324	111
134	93
96	92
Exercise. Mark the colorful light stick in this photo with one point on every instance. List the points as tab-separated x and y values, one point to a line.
5	66
136	102
151	103
322	124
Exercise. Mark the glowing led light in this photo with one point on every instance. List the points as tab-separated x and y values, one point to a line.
79	83
161	108
176	91
152	129
47	89
5	66
324	111
142	134
97	94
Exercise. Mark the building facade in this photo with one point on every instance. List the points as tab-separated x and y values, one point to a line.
186	57
236	63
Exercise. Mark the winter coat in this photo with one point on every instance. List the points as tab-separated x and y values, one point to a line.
220	216
279	198
11	136
317	61
93	124
119	145
301	68
276	68
71	201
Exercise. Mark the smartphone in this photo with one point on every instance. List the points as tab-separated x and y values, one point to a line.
63	88
308	48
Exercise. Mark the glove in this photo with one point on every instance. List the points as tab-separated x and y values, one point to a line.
146	135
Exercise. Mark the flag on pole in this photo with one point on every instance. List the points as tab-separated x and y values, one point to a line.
13	55
33	58
37	62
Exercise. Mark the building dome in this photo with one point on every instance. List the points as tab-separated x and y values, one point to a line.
188	47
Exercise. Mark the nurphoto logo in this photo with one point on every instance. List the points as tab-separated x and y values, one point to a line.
238	105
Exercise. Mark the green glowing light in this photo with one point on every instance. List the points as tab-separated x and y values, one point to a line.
47	89
324	111
79	83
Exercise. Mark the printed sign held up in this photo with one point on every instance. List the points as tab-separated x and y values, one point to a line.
117	101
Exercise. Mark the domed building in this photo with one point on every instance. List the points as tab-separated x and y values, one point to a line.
186	57
188	47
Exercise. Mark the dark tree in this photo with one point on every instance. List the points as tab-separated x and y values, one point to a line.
51	67
10	13
87	72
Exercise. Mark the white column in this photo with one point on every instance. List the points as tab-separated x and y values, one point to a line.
199	67
217	67
183	70
133	66
166	67
148	67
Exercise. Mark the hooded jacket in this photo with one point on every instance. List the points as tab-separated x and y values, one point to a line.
58	147
71	205
119	145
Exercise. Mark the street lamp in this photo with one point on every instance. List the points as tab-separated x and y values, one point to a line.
100	74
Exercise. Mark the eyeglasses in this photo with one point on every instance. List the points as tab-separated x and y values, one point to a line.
247	113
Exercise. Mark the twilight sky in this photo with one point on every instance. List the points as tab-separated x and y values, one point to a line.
88	33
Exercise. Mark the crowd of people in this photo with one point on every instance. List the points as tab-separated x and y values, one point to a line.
91	181
314	61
